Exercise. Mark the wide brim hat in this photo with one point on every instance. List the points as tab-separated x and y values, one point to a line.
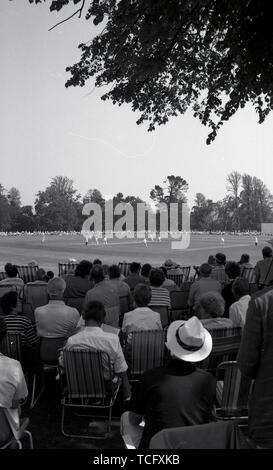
169	263
192	343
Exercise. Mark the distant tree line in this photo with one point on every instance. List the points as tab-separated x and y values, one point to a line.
58	207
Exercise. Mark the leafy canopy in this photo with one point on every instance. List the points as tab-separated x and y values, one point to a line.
164	57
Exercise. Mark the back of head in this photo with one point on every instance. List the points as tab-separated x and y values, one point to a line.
135	267
50	275
220	259
94	311
97	274
232	269
240	287
205	270
211	305
11	270
114	272
267	252
211	260
40	275
157	277
56	288
142	295
97	261
244	258
146	269
8	302
164	270
83	269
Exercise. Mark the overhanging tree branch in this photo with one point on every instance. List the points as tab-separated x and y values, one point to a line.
71	16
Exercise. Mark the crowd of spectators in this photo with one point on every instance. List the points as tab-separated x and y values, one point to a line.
179	393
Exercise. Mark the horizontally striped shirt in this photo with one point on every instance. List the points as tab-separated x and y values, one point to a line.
160	296
21	324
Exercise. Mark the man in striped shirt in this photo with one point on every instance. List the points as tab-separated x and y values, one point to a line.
160	295
17	323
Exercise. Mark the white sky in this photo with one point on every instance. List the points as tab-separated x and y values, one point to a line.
48	130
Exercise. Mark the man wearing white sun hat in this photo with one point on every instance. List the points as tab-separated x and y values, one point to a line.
178	394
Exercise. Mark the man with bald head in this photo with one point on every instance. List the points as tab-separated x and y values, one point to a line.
56	320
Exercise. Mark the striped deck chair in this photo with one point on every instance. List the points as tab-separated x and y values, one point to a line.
180	278
179	305
144	350
124	267
27	273
67	268
164	313
249	274
84	386
2	275
36	295
225	347
232	392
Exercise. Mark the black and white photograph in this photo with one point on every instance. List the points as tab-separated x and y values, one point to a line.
136	228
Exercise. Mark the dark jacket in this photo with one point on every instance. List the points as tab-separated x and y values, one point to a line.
256	361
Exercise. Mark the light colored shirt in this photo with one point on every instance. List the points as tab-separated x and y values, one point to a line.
93	337
56	320
12	382
237	311
142	318
202	286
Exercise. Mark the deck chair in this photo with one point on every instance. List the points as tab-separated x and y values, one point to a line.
2	275
49	353
124	268
164	313
225	347
185	286
232	393
84	387
179	305
144	349
36	295
249	274
9	436
27	273
66	268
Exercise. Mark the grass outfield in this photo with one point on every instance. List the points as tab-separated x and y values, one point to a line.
21	250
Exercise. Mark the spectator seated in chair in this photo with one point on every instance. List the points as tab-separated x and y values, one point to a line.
18	323
168	284
142	317
232	270
93	337
145	272
56	320
160	295
263	269
40	278
79	283
204	284
178	394
13	388
237	311
218	271
210	309
122	287
134	277
104	292
12	277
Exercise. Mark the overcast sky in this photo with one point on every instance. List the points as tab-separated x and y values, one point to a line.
48	130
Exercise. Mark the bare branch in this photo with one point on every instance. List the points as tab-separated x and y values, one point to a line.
71	16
